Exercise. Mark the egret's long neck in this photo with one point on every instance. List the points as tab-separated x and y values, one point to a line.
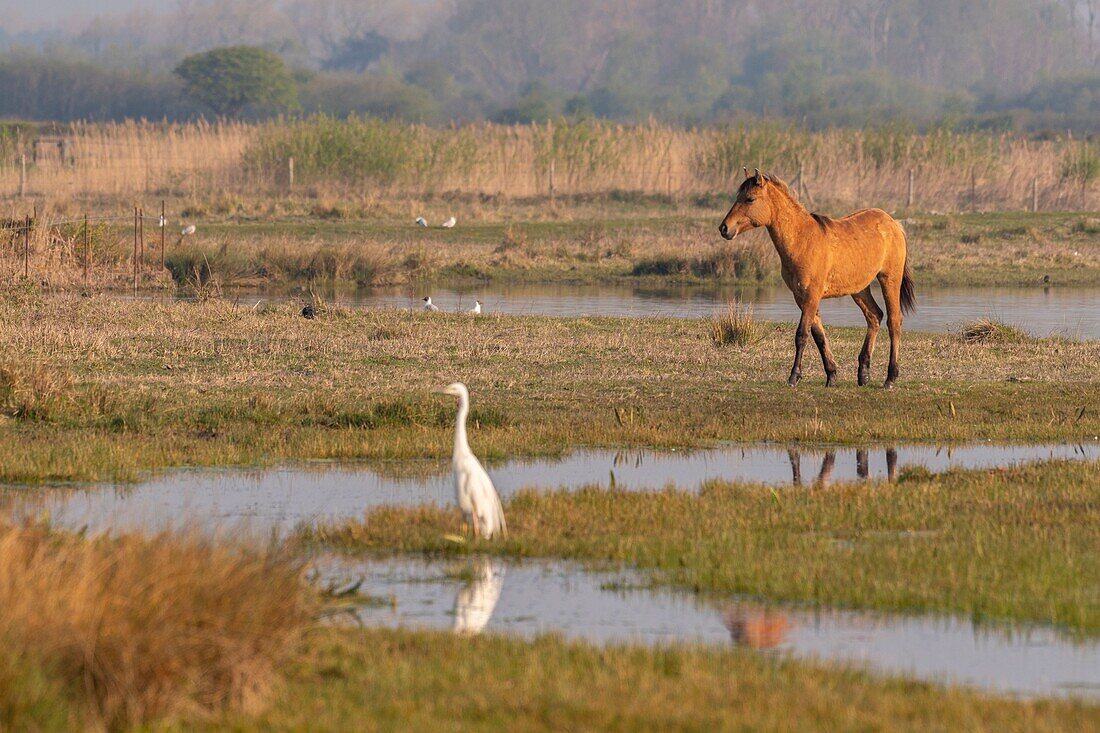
462	445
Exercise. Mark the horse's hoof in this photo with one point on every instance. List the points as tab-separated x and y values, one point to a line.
889	384
830	379
863	378
794	379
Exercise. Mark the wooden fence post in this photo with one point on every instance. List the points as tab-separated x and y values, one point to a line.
22	175
141	236
163	227
1035	194
135	249
909	195
551	181
87	253
290	173
27	248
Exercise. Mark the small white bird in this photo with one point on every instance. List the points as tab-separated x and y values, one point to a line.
429	306
449	224
476	601
421	221
478	500
476	310
188	230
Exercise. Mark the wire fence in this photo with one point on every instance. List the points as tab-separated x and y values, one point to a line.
54	244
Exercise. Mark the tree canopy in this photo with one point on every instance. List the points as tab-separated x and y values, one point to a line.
231	79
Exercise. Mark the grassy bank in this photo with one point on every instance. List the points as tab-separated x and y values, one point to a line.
381	680
1013	544
336	245
98	388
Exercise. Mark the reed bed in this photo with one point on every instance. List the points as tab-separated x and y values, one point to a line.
120	632
367	159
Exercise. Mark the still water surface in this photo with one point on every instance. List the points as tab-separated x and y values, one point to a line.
533	598
281	498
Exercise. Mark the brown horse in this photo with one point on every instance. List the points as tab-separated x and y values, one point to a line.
829	258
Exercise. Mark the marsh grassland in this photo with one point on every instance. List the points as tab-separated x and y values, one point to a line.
103	389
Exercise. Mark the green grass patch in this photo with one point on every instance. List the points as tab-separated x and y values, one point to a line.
398	680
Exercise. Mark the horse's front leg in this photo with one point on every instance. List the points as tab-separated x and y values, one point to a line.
827	360
801	336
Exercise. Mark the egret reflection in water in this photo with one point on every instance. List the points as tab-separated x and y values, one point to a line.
475	601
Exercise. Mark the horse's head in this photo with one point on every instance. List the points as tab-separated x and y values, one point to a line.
753	207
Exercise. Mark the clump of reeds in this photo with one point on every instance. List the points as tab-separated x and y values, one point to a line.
135	630
736	325
30	391
989	331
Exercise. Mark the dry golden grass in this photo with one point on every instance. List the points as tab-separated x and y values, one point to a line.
133	630
163	384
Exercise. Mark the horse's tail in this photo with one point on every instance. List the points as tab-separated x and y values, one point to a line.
908	296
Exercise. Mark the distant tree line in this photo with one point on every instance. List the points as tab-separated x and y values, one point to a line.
998	64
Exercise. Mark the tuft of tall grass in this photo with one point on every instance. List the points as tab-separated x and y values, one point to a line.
989	331
735	326
133	630
31	391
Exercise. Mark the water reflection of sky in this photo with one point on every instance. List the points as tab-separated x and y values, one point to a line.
532	598
1071	313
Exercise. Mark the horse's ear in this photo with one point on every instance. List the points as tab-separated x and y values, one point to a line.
746	172
758	176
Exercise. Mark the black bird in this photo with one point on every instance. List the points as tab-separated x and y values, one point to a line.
309	312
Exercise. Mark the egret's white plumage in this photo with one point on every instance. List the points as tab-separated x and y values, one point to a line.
449	224
188	230
476	310
474	490
476	601
421	221
429	306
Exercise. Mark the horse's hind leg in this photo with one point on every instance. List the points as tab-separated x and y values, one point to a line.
866	302
891	293
827	360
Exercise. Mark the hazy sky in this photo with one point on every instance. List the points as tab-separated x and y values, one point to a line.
35	15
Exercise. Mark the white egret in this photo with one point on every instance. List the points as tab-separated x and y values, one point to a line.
476	601
449	224
429	306
474	490
476	310
421	221
188	230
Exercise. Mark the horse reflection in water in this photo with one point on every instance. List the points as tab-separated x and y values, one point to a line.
827	463
756	628
476	600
